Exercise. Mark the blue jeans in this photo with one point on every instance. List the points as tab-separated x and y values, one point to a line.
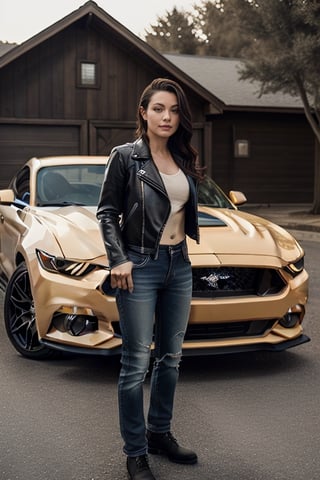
158	308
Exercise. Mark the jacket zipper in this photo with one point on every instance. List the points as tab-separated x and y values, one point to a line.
143	217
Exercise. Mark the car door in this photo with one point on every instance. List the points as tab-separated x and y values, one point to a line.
12	227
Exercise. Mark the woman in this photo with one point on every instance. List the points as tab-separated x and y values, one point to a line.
151	186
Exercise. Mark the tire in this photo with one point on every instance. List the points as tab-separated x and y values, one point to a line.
20	318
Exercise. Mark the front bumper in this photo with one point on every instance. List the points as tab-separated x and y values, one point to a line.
187	352
53	293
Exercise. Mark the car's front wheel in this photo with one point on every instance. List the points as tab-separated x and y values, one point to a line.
20	319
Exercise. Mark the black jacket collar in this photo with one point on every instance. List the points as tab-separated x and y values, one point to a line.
140	149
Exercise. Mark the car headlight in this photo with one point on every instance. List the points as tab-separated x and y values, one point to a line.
295	268
53	264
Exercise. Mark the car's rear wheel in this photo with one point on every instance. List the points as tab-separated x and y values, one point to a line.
20	319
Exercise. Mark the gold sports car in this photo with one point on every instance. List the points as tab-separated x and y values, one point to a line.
250	287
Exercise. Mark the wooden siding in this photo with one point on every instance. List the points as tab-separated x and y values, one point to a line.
105	135
44	111
23	140
280	165
43	83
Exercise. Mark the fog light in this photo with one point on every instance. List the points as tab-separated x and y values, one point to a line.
290	319
74	324
77	324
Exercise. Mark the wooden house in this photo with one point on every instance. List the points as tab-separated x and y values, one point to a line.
261	145
74	87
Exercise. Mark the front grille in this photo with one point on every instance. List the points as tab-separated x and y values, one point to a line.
235	281
213	331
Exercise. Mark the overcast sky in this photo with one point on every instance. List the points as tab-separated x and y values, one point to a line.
21	19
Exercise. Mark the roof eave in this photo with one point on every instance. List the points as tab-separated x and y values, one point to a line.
266	109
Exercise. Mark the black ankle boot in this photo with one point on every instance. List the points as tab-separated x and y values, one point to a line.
166	444
138	468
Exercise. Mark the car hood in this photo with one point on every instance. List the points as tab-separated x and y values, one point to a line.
75	229
226	234
236	233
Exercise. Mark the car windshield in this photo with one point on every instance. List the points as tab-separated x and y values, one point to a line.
69	185
81	184
211	195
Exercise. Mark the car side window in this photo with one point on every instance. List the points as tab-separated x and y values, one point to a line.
21	186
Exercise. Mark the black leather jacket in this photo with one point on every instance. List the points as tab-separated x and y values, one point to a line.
134	205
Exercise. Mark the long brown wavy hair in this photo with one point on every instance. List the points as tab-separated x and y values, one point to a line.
180	142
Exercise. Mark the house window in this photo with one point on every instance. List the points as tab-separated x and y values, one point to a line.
88	75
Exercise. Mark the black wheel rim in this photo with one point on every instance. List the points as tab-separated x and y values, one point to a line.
21	314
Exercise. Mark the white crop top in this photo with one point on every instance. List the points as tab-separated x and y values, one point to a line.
178	192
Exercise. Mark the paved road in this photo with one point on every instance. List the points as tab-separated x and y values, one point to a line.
249	416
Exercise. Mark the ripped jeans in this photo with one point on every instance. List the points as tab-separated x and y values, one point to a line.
157	309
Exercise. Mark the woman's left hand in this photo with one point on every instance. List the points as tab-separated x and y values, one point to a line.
121	276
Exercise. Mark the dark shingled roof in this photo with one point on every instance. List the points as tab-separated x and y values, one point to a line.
220	76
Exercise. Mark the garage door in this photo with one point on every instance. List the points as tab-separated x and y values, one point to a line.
106	135
19	142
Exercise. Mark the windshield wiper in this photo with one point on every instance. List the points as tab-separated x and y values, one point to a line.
60	204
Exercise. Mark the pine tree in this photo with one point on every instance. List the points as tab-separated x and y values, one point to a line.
210	28
173	33
216	24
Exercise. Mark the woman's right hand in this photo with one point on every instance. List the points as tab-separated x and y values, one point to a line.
121	276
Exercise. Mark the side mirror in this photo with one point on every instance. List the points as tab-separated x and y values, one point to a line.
6	196
237	198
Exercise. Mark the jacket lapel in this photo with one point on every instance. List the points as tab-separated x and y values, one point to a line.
148	173
146	170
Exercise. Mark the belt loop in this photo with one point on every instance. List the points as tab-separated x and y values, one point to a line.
156	255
